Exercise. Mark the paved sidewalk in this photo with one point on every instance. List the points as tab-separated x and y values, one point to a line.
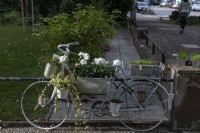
122	47
167	36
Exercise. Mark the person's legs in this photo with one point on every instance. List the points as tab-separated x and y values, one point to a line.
181	25
183	19
184	22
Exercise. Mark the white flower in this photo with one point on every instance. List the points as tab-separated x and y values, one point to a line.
62	58
100	61
117	63
85	56
80	54
83	62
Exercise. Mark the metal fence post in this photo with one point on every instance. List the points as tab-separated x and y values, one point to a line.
153	49
163	58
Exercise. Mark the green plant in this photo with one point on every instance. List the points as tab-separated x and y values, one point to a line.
123	5
193	20
196	56
87	25
97	68
142	62
12	17
182	54
54	62
69	83
174	15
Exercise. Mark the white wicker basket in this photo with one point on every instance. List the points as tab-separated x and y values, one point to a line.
147	70
96	86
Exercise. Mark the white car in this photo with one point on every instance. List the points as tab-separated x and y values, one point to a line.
196	6
141	6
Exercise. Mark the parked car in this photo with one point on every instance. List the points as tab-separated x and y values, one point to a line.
154	2
175	6
165	3
196	6
141	6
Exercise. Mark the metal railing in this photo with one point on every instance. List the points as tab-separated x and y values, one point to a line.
145	45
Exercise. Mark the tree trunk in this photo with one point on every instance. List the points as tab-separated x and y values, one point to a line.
32	9
22	12
26	2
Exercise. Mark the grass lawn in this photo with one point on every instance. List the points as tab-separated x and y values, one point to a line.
19	53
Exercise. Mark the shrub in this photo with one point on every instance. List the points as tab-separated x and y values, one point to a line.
88	26
192	20
109	5
12	17
174	15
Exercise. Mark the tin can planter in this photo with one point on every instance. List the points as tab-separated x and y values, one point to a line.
50	69
62	93
115	105
42	100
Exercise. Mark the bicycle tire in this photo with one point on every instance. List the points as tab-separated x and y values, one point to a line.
148	112
40	115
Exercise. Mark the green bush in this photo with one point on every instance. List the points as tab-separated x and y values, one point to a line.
193	20
110	5
174	15
89	26
12	17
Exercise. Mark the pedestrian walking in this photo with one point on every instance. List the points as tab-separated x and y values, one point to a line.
184	10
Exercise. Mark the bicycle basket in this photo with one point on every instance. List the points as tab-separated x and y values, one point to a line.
96	86
147	70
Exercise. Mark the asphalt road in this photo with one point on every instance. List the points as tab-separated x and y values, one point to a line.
163	11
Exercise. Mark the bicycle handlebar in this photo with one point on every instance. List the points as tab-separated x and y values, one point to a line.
61	46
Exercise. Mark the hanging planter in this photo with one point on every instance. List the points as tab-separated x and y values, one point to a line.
42	100
51	68
115	105
62	93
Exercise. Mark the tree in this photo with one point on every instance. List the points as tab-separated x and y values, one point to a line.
22	13
32	10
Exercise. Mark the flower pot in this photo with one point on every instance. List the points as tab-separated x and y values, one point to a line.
97	86
62	93
50	69
115	106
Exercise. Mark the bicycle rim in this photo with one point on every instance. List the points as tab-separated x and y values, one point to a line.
144	106
42	112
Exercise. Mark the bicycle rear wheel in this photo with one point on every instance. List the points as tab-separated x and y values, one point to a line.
144	106
38	106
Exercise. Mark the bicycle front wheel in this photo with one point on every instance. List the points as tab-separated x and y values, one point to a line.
144	104
39	108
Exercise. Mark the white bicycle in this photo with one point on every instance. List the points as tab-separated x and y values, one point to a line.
144	103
